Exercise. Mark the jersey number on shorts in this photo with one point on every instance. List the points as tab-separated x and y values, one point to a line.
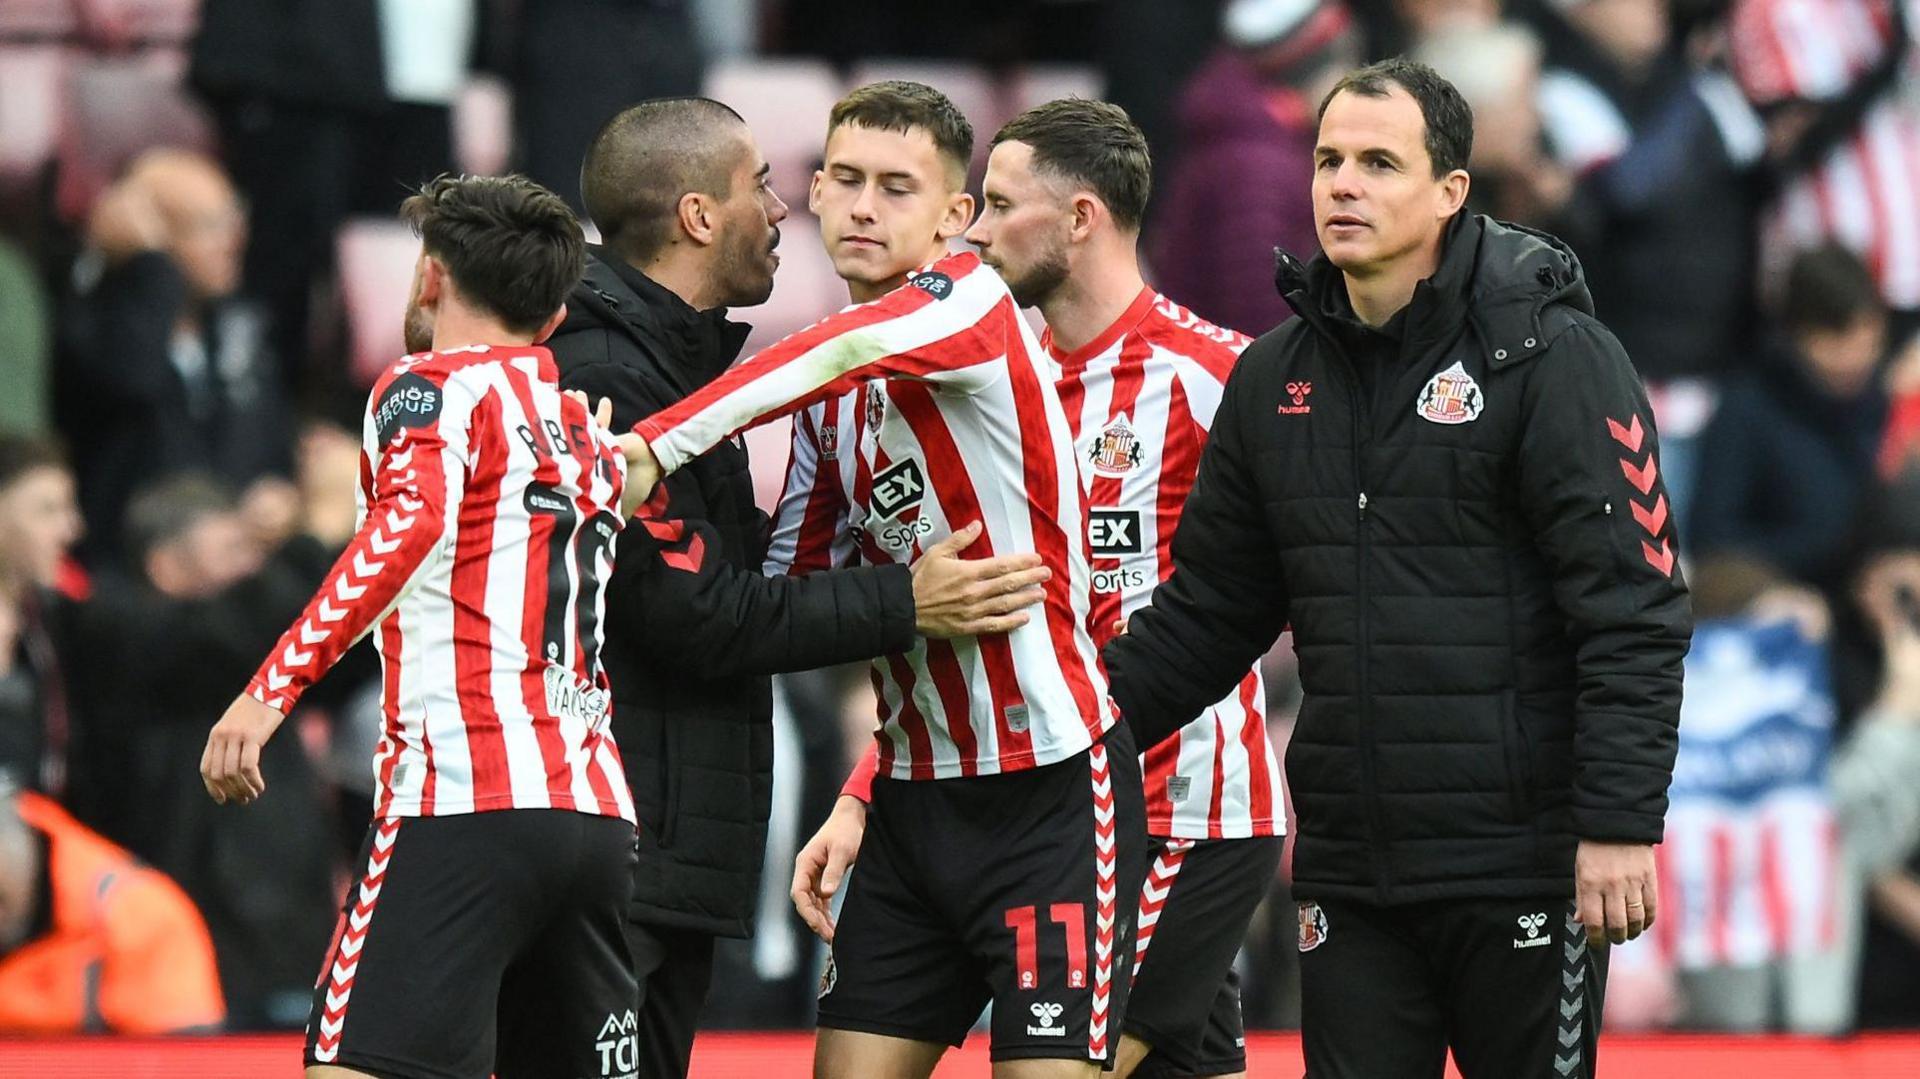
1072	919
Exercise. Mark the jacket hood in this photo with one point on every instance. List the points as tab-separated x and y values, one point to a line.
1496	276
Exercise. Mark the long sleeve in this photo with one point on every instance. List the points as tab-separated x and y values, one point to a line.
1589	480
945	325
1225	603
415	458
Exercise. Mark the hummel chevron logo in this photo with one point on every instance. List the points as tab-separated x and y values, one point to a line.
1653	520
1660	558
1642	478
1629	436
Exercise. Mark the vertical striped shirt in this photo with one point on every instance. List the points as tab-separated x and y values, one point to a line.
1866	193
926	410
489	505
1140	399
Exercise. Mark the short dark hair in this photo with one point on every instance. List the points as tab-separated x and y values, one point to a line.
1828	288
1094	143
513	247
646	158
21	454
167	509
1448	118
898	105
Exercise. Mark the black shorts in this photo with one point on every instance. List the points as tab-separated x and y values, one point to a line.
1194	909
1015	889
483	942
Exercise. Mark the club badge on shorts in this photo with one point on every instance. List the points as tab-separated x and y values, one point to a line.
829	977
1450	397
1313	926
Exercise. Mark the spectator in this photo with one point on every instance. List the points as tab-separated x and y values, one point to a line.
1843	134
1792	448
1497	68
1249	111
165	368
90	937
24	332
38	523
206	602
1874	769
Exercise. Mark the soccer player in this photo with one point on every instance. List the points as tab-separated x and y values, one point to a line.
1066	188
500	857
1008	810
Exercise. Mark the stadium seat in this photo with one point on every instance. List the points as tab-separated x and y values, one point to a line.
375	256
115	109
1040	83
37	20
786	103
150	22
483	126
32	82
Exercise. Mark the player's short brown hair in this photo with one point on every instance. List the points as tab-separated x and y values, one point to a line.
898	105
1094	143
513	247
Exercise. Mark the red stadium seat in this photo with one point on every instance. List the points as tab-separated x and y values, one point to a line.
483	126
116	109
375	257
32	83
786	103
153	22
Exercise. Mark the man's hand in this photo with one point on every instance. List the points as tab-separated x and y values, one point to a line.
823	863
230	766
643	470
1614	886
963	597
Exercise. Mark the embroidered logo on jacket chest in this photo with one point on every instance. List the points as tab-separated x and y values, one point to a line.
1450	397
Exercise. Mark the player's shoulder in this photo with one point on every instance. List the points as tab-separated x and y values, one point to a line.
1176	329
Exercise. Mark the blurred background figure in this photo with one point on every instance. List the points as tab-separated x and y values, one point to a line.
39	523
90	939
1792	450
164	366
1249	114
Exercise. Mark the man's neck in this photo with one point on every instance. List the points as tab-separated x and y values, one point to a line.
1093	297
691	279
455	326
1379	296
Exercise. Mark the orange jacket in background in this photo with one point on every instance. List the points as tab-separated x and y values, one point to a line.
126	950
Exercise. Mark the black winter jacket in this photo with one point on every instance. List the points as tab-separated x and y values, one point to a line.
693	628
1478	566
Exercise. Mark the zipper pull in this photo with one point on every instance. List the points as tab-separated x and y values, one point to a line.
1363	505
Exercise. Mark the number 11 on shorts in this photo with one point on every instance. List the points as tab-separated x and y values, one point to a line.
1072	920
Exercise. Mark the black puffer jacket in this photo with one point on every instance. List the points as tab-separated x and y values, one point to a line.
693	629
1478	567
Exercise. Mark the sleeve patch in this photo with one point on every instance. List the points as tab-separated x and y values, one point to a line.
410	401
934	283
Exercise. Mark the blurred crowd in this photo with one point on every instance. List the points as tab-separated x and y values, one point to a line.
180	181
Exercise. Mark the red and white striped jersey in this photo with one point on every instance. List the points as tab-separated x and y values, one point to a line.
1866	194
933	407
489	505
1140	399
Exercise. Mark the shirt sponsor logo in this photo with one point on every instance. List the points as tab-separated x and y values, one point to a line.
1450	397
933	283
1106	581
1113	533
898	489
1045	1013
410	401
1116	450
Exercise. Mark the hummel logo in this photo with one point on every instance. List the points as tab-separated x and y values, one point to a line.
1046	1012
1530	924
1298	391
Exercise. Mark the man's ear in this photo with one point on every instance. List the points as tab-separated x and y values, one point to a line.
698	218
813	191
1453	193
553	323
1085	211
958	216
433	280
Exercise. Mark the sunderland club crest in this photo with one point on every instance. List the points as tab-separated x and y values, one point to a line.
1450	397
1116	450
1313	926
